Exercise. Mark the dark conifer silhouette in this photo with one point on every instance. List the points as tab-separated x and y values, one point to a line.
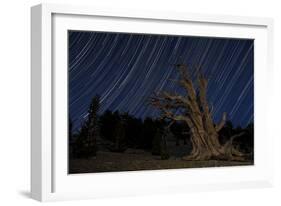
119	137
86	143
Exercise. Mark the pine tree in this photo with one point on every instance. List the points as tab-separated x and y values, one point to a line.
93	130
86	143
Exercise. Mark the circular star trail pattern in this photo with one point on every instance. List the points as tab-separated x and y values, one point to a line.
125	69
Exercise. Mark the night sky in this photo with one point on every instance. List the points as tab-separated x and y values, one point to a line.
125	69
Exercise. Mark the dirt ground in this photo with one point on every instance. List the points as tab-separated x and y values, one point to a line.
133	160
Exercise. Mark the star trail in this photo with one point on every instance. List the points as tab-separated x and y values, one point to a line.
125	69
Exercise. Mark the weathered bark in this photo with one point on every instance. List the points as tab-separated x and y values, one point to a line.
195	112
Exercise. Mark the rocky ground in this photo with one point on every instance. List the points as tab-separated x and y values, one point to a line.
132	160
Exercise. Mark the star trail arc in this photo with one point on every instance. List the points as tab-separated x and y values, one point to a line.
125	69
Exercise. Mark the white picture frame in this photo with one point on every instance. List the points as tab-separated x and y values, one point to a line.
49	179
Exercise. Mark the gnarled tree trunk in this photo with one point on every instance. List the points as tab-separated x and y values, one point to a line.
195	112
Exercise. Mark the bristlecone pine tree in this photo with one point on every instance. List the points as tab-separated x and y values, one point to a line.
193	108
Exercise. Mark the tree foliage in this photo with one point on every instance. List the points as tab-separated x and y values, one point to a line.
86	142
186	117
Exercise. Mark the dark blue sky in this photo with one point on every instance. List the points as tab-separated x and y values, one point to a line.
125	69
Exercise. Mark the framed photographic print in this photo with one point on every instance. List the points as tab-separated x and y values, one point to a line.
136	102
